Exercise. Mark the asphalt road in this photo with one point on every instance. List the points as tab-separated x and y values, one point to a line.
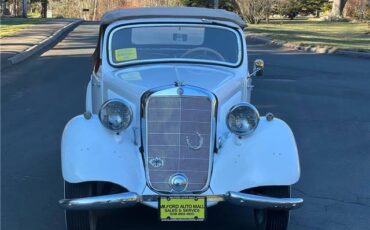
325	99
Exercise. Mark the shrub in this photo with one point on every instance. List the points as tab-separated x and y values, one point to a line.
358	9
289	8
253	11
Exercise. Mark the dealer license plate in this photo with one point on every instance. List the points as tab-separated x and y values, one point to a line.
182	208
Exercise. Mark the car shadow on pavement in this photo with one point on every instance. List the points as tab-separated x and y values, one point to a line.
142	217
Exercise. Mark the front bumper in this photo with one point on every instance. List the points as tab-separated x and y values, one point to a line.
128	199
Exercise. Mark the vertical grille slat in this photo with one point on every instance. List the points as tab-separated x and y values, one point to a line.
173	126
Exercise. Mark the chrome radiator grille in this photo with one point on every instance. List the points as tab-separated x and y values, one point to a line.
179	140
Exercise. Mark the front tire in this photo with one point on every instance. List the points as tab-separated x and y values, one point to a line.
79	220
273	219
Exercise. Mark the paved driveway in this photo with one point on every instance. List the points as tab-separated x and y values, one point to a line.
28	37
325	99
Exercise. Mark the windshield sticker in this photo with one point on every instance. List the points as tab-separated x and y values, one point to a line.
125	54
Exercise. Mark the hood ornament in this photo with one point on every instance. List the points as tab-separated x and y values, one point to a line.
200	142
180	90
179	83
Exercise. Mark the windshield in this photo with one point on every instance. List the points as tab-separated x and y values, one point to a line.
211	44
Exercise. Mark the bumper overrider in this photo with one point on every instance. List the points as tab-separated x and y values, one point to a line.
128	199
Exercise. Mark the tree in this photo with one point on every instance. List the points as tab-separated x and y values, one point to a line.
357	9
337	9
154	2
229	5
24	8
44	7
289	8
253	11
313	6
95	9
197	3
14	7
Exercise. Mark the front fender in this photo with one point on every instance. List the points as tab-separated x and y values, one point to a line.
91	152
267	157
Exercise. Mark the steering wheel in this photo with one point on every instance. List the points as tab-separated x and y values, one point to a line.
203	51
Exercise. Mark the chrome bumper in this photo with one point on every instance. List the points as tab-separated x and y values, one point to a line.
127	199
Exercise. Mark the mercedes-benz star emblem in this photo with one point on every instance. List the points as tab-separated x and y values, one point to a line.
180	91
195	146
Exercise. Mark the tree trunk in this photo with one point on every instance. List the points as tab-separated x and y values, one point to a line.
95	9
44	8
215	4
24	9
337	9
15	8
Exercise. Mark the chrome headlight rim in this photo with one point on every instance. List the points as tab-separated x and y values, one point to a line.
105	104
232	109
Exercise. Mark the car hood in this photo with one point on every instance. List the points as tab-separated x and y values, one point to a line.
133	82
130	84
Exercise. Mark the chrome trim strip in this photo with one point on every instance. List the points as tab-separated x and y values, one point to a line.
114	64
263	202
101	202
128	199
172	91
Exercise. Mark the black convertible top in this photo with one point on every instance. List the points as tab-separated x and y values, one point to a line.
163	12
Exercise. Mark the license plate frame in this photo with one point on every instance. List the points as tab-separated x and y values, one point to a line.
182	208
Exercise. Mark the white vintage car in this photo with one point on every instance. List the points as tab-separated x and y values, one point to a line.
169	124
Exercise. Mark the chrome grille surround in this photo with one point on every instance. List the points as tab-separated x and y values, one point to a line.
183	92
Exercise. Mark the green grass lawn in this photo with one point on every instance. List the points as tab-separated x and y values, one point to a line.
342	35
10	26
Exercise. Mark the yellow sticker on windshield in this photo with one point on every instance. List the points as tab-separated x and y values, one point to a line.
125	54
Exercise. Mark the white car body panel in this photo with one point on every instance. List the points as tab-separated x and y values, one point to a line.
267	157
90	152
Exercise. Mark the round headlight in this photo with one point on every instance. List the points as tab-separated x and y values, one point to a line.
115	115
242	119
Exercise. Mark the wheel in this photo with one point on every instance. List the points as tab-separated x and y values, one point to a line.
273	219
79	220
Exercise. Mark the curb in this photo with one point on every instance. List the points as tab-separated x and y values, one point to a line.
312	49
42	44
